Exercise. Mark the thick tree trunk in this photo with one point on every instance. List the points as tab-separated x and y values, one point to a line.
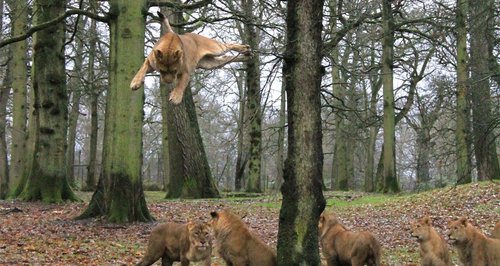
119	195
19	73
482	23
303	199
462	131
254	113
47	180
190	175
390	180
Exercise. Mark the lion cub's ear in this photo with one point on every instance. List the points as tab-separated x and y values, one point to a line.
214	215
426	220
190	225
463	221
177	54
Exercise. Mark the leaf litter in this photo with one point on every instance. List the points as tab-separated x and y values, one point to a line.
33	233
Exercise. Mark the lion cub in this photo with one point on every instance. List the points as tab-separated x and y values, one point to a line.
235	243
474	248
343	247
433	247
176	56
179	242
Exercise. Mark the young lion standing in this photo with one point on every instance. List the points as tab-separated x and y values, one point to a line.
179	242
176	56
343	247
236	245
433	247
474	248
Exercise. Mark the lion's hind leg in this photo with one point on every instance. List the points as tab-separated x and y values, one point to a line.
211	62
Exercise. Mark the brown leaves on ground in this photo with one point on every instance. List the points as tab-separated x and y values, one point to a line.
41	234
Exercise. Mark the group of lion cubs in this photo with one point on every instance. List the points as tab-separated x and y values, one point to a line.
192	242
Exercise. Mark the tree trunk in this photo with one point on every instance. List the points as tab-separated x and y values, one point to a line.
94	104
47	180
254	113
462	132
19	73
241	157
482	23
72	123
375	84
390	181
281	139
4	97
303	199
119	195
190	175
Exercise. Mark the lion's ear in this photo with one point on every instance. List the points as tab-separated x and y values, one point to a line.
190	225
463	221
214	214
177	54
426	220
158	54
322	218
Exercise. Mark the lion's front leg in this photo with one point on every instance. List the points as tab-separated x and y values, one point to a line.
178	92
138	79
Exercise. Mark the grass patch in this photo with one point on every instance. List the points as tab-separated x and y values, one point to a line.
346	201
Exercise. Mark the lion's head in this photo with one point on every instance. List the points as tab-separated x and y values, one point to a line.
421	228
169	57
458	230
199	235
326	221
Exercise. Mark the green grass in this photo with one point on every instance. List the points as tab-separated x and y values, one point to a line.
367	199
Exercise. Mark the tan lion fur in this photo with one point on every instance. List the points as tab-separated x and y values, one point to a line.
433	247
179	242
175	56
343	247
474	248
236	244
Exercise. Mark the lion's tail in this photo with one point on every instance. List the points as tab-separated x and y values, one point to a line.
164	21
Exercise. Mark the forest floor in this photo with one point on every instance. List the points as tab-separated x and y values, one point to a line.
46	234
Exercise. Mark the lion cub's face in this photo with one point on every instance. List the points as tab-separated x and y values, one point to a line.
421	228
168	54
458	230
199	236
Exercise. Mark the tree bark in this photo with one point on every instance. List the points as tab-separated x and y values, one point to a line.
254	112
47	180
241	157
303	199
190	175
390	180
90	183
482	24
19	73
462	131
4	97
119	195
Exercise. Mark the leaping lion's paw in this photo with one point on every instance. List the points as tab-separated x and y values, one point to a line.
136	84
175	97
